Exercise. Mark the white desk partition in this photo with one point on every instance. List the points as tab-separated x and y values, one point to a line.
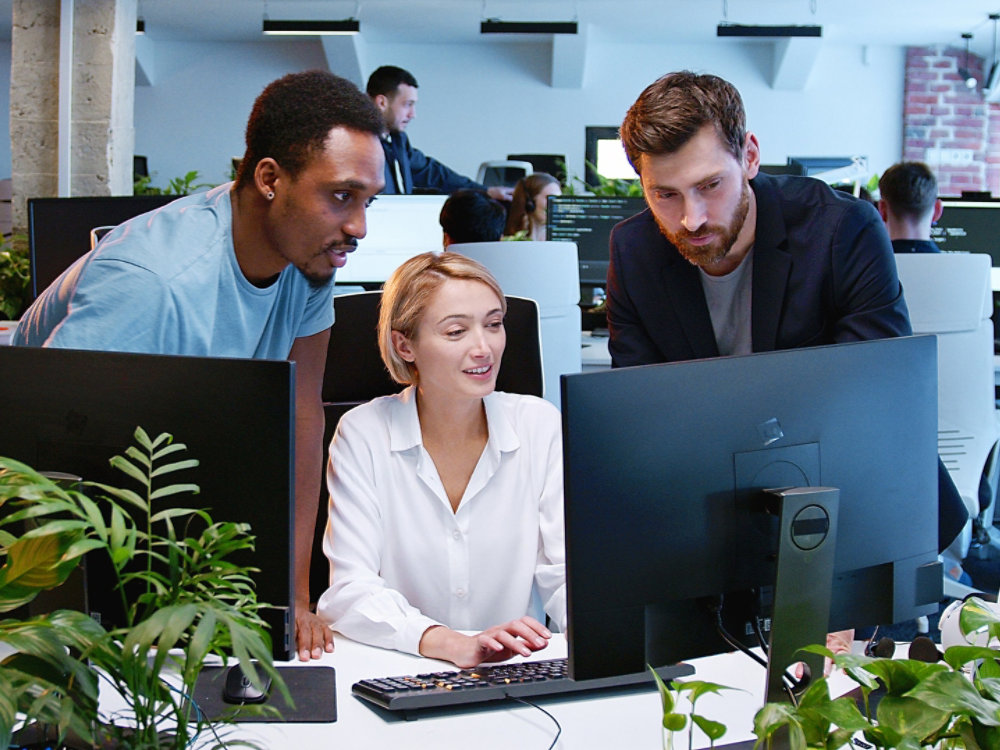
399	227
949	295
549	273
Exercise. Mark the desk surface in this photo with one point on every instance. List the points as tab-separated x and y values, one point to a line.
630	719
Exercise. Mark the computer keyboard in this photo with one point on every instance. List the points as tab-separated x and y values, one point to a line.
492	682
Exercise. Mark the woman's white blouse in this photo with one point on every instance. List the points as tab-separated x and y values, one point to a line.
402	560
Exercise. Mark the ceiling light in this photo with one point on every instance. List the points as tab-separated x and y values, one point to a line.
967	78
496	26
743	30
311	28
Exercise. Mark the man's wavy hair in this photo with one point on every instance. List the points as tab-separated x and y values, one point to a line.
675	107
293	116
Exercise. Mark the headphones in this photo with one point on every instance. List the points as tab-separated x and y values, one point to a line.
529	204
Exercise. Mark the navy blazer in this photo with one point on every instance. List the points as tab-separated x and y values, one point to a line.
823	273
419	170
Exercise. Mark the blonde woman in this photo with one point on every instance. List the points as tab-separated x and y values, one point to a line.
445	527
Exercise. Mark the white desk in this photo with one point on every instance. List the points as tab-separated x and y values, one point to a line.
594	352
615	720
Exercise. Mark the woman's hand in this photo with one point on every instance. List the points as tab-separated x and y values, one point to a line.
499	643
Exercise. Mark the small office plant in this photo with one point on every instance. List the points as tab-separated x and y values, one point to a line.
15	277
944	704
190	600
674	697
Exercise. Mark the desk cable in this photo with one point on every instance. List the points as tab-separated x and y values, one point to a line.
554	719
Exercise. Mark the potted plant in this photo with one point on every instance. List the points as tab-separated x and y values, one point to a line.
183	599
15	277
952	703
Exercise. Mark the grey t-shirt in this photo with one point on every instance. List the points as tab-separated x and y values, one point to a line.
729	299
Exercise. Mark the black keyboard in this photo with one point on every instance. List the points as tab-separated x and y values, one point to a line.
491	682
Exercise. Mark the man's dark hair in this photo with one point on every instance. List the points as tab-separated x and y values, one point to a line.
675	107
386	80
470	215
909	188
293	117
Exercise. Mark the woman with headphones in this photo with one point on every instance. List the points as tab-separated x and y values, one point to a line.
526	217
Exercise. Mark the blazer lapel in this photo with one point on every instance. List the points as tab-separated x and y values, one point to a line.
771	266
683	288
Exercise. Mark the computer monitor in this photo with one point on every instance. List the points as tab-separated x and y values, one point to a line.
588	220
665	467
59	229
399	227
71	411
812	165
970	227
605	156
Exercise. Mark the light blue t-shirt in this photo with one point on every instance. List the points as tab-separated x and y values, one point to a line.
168	282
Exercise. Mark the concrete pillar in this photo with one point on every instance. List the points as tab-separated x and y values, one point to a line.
101	108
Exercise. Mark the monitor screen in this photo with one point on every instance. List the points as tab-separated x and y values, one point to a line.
588	220
605	156
71	411
813	165
59	229
665	467
970	227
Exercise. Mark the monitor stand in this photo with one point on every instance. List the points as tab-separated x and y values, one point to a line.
803	580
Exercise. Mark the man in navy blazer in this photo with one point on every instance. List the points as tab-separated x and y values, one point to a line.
394	92
727	260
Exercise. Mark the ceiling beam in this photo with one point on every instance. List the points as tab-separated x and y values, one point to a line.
345	57
794	60
145	70
569	59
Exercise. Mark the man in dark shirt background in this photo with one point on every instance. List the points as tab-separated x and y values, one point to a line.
909	205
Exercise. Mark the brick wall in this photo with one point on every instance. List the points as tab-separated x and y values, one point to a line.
948	125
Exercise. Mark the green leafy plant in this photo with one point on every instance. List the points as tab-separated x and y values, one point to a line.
679	693
925	705
183	185
605	186
15	277
183	599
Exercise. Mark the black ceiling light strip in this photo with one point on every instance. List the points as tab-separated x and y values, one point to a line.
347	26
494	26
742	30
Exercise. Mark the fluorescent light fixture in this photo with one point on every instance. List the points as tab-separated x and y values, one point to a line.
311	28
737	29
496	26
140	26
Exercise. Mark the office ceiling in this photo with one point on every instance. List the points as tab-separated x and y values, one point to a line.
895	22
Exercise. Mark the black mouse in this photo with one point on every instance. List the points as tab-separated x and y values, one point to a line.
239	689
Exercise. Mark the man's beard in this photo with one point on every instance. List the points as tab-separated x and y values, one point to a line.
726	236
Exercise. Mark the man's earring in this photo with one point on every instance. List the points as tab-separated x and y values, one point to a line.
269	195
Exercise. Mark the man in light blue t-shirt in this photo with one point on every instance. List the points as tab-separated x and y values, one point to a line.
244	270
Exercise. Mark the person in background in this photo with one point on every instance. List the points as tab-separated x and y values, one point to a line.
394	92
527	215
909	205
471	216
446	499
243	270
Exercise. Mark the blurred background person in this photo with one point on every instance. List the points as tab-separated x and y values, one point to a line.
527	215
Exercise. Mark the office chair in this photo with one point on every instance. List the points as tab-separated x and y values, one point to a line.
949	295
549	273
355	374
502	173
553	164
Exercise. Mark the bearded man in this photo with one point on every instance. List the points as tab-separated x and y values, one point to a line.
728	260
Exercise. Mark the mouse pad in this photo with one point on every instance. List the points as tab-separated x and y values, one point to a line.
314	690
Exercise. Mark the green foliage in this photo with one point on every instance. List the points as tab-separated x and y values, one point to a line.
184	185
925	705
15	277
674	695
193	601
605	186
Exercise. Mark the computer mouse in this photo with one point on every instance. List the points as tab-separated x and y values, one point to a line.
239	689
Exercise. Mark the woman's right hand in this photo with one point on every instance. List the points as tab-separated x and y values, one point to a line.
520	637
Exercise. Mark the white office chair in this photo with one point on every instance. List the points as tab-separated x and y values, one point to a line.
547	272
504	173
949	295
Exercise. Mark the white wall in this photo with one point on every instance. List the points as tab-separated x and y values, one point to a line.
483	101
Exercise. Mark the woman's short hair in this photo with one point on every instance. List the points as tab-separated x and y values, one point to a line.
407	293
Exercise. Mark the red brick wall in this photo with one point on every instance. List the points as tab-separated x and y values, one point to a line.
941	114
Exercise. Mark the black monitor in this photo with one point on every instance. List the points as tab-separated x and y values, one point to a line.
605	156
812	165
71	411
969	227
588	220
665	467
59	229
